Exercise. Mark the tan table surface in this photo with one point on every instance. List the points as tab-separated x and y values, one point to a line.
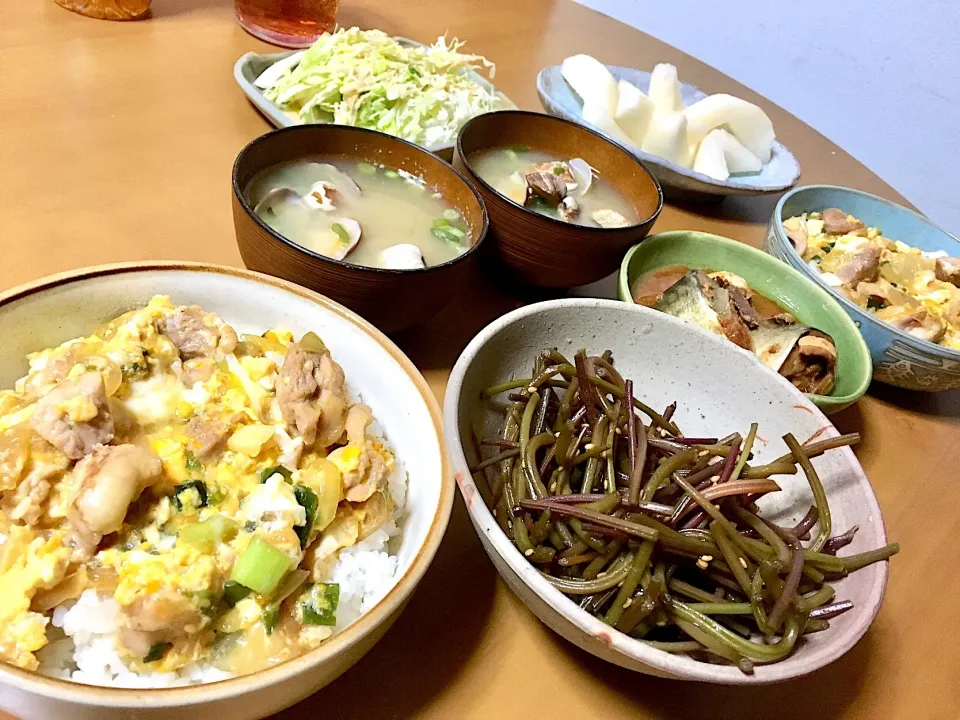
116	143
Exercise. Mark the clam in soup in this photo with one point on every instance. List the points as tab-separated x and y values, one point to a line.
569	190
362	213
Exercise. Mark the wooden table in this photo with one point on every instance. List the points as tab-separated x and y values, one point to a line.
116	143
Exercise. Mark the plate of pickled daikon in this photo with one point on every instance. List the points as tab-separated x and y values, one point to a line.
692	142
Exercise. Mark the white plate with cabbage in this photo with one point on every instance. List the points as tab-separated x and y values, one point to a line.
365	78
702	145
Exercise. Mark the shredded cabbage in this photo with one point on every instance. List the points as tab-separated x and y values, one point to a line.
368	79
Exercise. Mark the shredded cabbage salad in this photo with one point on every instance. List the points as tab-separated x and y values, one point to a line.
368	79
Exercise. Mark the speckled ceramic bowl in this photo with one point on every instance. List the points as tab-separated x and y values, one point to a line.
719	389
61	307
898	358
782	172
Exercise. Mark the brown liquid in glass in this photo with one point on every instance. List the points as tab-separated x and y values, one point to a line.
287	23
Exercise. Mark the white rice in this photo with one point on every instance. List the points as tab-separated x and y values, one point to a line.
82	645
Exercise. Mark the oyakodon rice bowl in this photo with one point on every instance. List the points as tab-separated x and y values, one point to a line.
183	503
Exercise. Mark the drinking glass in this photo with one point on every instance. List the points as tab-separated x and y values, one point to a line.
287	23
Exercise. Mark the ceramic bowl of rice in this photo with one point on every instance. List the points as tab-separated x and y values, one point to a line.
217	492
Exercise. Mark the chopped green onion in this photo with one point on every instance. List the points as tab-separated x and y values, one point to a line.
156	652
269	472
193	465
451	214
180	494
392	174
261	567
308	501
216	496
341	232
520	148
233	592
440	223
558	169
208	535
271	615
366	168
318	604
449	235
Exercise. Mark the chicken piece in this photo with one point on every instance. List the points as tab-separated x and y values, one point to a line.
32	493
311	392
863	266
948	270
207	434
838	222
163	616
914	320
547	186
14	452
75	416
197	333
109	480
371	472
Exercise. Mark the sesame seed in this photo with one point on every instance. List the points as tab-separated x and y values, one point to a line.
556	434
532	389
553	486
706	558
618	431
703	453
702	564
627	603
589	446
528	552
743	563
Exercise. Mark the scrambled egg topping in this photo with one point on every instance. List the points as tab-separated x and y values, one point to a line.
202	480
916	291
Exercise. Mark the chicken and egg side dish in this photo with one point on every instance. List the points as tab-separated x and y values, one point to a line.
198	484
914	291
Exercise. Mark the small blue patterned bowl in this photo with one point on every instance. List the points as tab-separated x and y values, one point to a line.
898	358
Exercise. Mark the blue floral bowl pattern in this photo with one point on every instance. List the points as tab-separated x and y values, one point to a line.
899	359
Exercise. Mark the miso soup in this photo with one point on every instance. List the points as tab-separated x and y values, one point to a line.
359	212
569	190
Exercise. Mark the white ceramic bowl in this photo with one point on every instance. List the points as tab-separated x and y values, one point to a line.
720	388
62	307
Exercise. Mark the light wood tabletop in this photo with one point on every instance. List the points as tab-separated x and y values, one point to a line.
116	143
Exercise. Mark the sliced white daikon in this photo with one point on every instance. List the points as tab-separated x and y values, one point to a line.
746	121
664	88
667	137
604	122
634	111
710	159
591	80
